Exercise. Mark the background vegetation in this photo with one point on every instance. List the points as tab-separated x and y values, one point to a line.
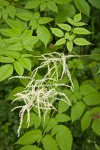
30	28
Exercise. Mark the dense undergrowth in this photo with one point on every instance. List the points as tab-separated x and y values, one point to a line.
49	75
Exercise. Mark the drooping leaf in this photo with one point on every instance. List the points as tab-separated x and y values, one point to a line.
95	3
43	34
92	99
80	30
83	6
64	137
25	62
49	143
30	137
57	32
70	46
30	147
96	126
19	68
77	111
86	120
61	41
62	118
81	42
64	26
5	71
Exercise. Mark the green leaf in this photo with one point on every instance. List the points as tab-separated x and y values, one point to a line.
19	68
62	118
25	62
5	71
16	24
96	126
86	120
81	42
4	3
57	32
95	3
61	41
65	26
52	6
30	147
45	122
37	122
52	122
71	37
10	54
79	24
49	143
26	16
70	46
11	11
15	91
4	13
43	34
32	120
6	60
77	111
83	6
62	1
64	137
62	107
81	31
86	89
71	21
77	17
30	137
10	32
32	4
92	99
67	35
64	11
44	20
43	6
15	47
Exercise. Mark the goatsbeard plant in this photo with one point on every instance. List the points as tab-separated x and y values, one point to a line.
42	93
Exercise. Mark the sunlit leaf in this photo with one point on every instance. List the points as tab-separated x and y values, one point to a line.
5	71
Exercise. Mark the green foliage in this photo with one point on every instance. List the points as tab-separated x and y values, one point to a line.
31	29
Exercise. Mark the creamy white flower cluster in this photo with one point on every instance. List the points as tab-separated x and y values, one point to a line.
42	93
